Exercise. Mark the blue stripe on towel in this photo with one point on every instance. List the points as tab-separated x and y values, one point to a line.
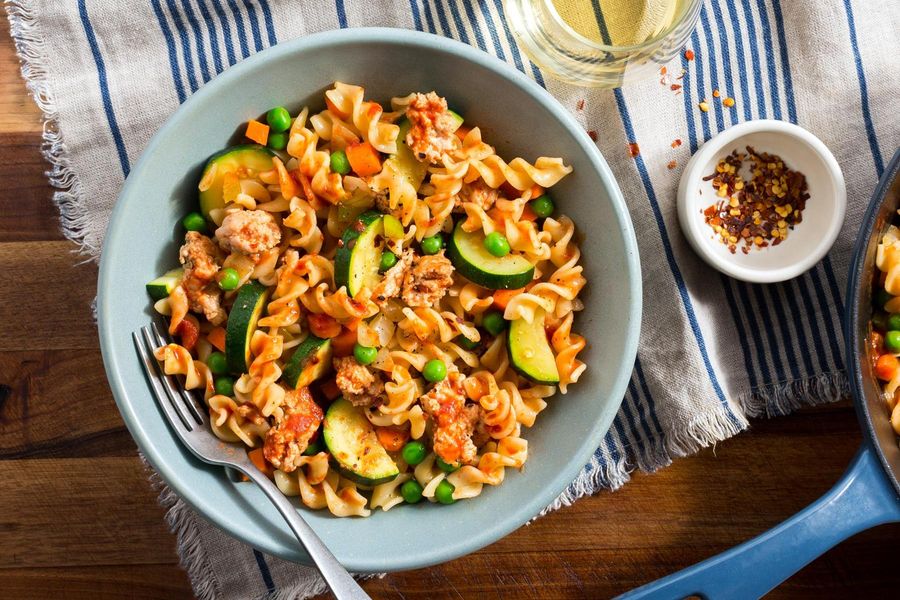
213	38
170	46
185	45
226	31
341	13
198	39
727	284
269	21
264	571
254	25
513	48
104	88
670	257
239	26
863	91
473	21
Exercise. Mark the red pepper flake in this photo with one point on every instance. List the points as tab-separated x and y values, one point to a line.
663	71
675	87
633	149
676	143
592	134
716	93
672	164
689	54
580	105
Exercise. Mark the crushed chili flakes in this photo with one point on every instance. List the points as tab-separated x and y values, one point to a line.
759	212
672	164
675	87
663	70
580	105
633	149
676	142
592	134
716	93
689	54
729	102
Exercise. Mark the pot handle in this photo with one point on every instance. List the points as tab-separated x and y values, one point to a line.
863	498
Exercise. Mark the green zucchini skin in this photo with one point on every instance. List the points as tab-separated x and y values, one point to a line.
405	160
248	306
354	447
163	285
471	260
310	361
358	255
248	156
529	350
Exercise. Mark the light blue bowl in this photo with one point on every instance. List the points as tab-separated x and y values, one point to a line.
520	119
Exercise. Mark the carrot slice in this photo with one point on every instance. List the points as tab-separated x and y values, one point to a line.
886	367
258	132
342	344
323	326
287	183
502	297
259	460
216	337
392	438
364	159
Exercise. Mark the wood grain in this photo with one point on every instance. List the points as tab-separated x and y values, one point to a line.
79	520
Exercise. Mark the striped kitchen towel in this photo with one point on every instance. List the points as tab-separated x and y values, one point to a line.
714	351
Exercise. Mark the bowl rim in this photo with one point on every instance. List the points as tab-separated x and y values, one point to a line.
699	239
178	479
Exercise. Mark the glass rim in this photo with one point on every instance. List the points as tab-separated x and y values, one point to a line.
554	14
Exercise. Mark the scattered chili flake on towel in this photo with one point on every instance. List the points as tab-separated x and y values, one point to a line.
580	105
759	212
592	134
729	102
672	164
676	143
633	149
689	54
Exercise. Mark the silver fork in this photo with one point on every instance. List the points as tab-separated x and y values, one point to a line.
188	420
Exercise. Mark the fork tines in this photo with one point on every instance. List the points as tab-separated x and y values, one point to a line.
178	404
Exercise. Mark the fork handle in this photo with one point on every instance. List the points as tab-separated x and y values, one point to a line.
341	583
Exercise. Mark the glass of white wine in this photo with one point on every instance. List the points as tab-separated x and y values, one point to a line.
602	43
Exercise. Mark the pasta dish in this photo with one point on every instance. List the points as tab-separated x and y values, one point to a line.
374	303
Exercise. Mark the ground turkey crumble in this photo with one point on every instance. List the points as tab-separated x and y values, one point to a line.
248	232
359	385
478	193
432	127
454	423
200	258
286	441
427	280
391	284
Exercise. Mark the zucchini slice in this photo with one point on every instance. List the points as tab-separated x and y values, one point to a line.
529	350
353	445
248	306
310	361
358	256
469	256
163	285
237	159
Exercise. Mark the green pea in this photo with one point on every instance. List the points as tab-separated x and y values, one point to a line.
279	119
194	222
339	162
224	385
445	466
314	447
216	363
466	343
493	322
892	341
435	370
497	244
388	260
413	452
433	244
543	206
882	297
880	320
277	141
411	491
229	280
365	355
444	492
893	322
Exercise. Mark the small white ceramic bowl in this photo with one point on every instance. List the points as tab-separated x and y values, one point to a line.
807	243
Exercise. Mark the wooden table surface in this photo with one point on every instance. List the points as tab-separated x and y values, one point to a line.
78	519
